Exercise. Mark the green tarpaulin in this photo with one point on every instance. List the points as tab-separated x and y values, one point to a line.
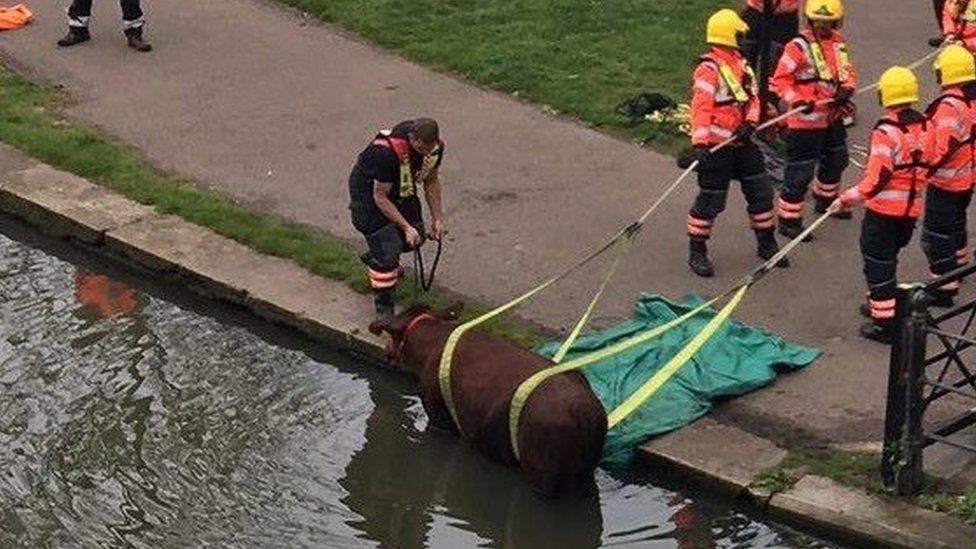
736	360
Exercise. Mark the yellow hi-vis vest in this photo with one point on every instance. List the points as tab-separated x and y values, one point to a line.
823	69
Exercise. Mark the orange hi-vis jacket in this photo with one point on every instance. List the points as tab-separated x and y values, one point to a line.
14	17
959	21
952	123
779	6
723	96
813	69
894	178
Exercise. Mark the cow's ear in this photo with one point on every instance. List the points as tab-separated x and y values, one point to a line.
453	312
377	327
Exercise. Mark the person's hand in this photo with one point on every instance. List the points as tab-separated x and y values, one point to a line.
702	154
843	97
835	206
744	131
411	235
436	230
807	106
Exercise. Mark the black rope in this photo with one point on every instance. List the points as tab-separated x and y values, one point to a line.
424	281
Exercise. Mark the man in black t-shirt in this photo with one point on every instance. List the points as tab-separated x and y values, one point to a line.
384	203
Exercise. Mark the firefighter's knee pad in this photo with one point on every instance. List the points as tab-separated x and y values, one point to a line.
758	192
385	247
796	179
940	249
709	203
833	164
879	271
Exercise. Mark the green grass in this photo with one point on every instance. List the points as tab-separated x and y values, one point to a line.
579	57
29	122
860	470
847	468
962	506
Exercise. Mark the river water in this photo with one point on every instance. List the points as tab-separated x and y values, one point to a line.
133	416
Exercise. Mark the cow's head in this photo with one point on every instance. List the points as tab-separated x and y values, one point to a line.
401	326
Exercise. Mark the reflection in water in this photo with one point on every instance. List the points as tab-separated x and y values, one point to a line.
126	421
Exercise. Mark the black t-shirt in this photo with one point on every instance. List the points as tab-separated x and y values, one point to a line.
380	163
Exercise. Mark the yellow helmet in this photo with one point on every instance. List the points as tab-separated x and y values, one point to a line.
955	65
824	10
724	27
898	86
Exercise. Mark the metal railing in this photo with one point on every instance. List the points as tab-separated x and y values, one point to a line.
928	363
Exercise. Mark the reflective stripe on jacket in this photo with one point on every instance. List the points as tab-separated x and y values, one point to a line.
894	178
951	124
779	6
723	97
401	148
813	70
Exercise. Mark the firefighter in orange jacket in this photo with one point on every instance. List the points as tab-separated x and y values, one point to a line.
891	190
814	72
959	22
952	125
384	201
724	105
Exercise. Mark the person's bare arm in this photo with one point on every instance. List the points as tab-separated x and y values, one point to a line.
432	192
381	195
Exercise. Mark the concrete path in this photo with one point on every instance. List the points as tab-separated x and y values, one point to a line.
271	109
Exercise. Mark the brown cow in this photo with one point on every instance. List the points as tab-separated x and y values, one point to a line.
563	425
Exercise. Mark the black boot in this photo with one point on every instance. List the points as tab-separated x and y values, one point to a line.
823	204
877	331
865	310
134	37
936	41
76	35
792	228
698	258
766	247
383	299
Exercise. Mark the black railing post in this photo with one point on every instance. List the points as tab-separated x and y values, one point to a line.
909	476
895	407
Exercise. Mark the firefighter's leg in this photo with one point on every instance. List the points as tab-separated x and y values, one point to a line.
133	22
714	175
758	191
879	249
963	252
833	161
78	15
939	240
383	266
802	154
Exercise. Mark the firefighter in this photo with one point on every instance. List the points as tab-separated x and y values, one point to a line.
384	204
132	22
950	185
724	105
891	190
768	35
959	22
815	72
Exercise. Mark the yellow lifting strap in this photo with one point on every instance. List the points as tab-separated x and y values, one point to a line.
447	356
525	390
675	364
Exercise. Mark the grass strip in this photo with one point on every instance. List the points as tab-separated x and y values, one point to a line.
29	121
578	57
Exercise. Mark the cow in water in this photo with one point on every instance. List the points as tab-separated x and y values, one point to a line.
562	427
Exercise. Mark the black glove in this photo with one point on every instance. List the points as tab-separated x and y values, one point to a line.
807	106
843	96
702	154
744	132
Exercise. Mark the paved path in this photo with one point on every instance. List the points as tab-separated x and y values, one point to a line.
262	105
